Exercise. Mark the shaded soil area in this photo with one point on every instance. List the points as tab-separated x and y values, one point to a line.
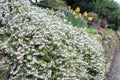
114	73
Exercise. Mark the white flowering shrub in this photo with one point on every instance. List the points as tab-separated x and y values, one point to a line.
42	47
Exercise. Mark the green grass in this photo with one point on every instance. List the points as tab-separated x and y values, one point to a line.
111	31
91	30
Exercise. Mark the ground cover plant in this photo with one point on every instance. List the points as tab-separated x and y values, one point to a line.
41	46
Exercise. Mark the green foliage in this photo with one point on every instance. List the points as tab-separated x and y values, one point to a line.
51	4
98	6
76	18
80	22
111	31
91	30
55	3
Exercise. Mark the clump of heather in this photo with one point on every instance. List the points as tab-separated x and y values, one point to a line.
41	46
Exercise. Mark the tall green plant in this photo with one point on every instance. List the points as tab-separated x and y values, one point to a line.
98	6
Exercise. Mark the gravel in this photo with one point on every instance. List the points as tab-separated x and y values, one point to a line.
114	73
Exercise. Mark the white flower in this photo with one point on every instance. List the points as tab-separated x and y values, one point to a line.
46	46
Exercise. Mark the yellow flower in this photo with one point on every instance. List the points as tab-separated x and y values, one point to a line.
85	14
80	15
76	17
77	9
74	13
69	8
90	18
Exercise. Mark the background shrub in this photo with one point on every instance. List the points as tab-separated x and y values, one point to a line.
110	12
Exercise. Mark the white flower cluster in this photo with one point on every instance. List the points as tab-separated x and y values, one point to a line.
43	47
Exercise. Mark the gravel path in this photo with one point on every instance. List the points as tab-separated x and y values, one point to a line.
114	73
